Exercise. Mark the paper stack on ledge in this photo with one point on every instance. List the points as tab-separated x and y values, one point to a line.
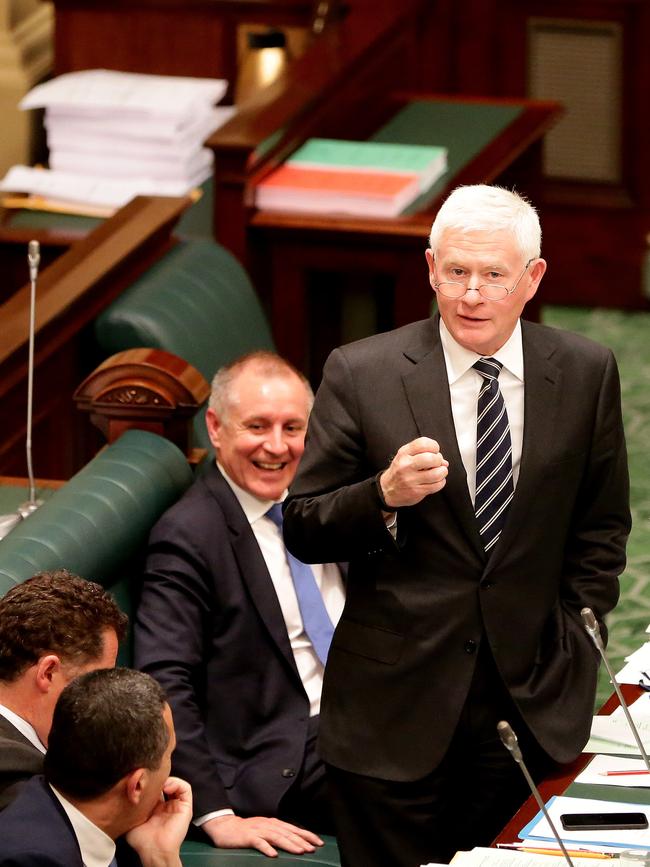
143	131
363	178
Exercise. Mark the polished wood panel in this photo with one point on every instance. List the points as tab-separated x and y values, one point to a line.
163	37
70	294
147	389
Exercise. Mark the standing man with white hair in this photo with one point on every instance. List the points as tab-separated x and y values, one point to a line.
472	469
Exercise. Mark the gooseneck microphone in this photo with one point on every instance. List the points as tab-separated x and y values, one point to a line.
8	522
592	627
510	742
33	260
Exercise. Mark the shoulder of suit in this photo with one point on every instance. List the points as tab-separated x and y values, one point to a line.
560	340
424	332
208	502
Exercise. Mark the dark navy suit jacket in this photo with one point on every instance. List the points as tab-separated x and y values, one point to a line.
35	832
210	629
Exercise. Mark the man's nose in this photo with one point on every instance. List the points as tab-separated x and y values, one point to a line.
472	294
275	441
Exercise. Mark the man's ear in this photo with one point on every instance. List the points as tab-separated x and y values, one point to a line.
536	272
213	425
47	669
134	784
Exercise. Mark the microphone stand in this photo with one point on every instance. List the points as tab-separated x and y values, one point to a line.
510	742
9	521
592	627
33	260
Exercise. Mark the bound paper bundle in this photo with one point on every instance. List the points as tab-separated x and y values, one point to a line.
146	131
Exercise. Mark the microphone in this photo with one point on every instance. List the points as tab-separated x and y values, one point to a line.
33	260
8	522
592	627
510	742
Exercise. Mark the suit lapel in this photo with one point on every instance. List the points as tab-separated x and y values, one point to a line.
252	567
427	391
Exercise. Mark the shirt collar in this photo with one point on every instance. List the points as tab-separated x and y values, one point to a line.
25	728
252	506
459	359
97	848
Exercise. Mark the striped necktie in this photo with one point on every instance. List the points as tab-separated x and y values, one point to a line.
315	620
494	486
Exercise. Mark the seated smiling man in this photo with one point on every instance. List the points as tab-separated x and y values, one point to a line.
235	630
53	627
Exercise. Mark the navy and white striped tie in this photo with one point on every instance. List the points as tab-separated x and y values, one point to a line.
494	486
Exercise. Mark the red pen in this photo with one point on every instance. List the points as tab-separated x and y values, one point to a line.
622	773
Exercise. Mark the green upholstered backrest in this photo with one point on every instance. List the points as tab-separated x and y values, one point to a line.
98	523
197	302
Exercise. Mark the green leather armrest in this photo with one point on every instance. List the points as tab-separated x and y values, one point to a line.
194	854
97	524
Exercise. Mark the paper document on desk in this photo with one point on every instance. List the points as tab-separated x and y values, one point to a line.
483	857
96	91
595	774
539	829
636	664
615	727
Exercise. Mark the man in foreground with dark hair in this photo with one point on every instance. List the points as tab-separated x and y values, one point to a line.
53	627
106	777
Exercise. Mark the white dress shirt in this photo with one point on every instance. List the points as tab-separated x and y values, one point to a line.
464	386
97	848
23	727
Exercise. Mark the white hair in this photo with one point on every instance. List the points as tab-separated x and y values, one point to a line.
488	208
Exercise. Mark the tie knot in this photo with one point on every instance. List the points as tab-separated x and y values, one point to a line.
275	514
489	368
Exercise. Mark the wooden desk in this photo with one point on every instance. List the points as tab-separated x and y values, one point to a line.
562	781
299	260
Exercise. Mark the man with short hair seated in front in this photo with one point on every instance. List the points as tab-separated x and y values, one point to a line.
106	778
53	627
236	631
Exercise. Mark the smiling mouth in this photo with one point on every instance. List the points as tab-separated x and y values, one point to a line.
263	465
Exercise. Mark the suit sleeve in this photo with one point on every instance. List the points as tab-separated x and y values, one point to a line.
333	512
171	633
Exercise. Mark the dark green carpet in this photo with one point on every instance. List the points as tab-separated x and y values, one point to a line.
628	335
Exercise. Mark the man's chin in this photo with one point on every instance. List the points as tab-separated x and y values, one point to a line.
270	485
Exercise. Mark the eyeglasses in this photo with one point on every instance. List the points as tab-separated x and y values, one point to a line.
490	291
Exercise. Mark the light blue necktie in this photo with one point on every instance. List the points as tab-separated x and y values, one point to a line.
315	619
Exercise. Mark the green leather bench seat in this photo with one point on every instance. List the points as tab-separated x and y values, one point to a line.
97	525
197	302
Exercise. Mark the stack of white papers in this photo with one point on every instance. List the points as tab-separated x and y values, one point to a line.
612	734
637	663
145	130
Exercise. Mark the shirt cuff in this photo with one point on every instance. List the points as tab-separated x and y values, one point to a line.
201	820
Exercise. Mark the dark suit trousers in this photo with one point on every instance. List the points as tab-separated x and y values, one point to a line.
463	803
